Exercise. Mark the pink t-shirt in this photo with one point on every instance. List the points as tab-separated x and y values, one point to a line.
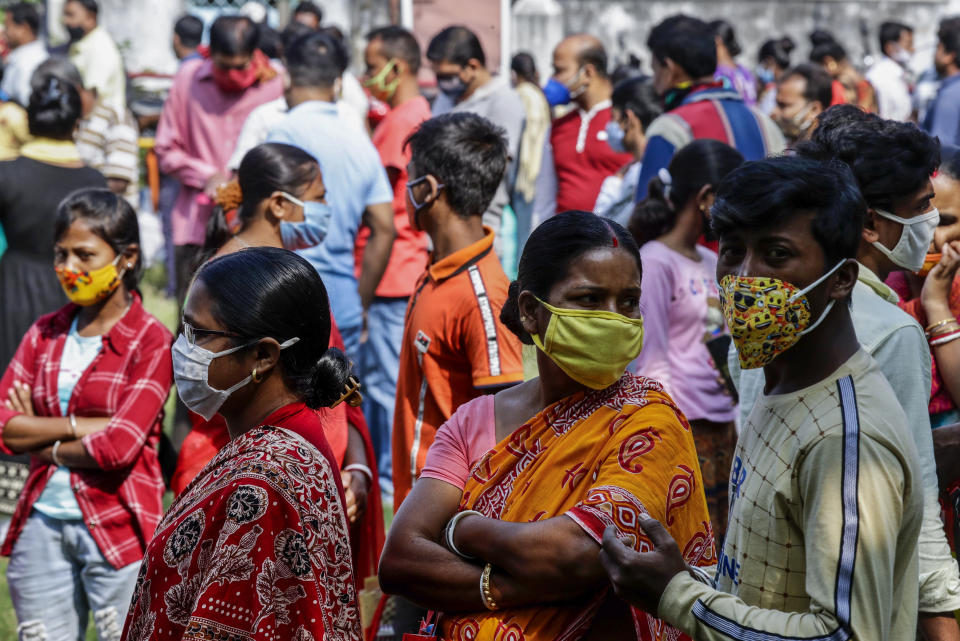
681	311
462	441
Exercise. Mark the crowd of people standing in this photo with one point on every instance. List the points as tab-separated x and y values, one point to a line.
622	356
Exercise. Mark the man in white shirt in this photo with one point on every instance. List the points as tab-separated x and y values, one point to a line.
892	163
825	491
22	26
95	53
890	77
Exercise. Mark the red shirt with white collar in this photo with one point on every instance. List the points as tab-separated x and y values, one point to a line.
582	157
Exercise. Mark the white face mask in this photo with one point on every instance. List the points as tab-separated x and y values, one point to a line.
911	250
191	368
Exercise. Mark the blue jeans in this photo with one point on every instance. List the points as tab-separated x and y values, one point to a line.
57	576
379	363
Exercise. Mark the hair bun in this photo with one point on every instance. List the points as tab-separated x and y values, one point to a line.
329	379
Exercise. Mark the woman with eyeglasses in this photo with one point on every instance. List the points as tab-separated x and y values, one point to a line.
84	398
279	201
258	545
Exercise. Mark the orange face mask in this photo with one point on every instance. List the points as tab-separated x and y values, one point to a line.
928	263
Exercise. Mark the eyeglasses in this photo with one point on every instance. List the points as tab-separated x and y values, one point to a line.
413	199
191	333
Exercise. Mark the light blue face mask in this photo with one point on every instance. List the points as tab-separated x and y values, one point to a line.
615	137
309	232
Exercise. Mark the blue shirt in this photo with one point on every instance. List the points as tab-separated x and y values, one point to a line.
354	179
943	117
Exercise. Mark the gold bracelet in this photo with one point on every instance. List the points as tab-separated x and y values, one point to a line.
934	326
485	593
946	328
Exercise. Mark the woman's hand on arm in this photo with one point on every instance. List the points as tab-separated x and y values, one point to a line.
27	432
415	566
70	454
935	300
555	558
356	484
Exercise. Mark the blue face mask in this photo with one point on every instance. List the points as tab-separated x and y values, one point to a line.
451	86
556	92
309	232
615	137
765	75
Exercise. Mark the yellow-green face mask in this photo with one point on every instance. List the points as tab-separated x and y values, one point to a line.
591	347
382	89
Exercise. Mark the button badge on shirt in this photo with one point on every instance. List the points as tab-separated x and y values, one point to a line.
422	342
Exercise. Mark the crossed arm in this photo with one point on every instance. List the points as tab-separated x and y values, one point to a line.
545	561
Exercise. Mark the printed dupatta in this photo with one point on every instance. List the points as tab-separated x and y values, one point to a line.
256	548
602	459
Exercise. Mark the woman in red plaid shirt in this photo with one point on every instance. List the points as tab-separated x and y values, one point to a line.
84	397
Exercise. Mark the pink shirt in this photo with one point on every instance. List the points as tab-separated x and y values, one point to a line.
195	138
462	441
681	311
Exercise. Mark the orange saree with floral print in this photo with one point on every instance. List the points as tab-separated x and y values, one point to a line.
601	458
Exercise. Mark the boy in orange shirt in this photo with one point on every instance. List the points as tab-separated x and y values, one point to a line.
454	347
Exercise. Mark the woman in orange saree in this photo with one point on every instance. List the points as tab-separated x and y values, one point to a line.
502	530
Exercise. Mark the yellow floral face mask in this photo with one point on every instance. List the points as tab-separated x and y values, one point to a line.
591	347
87	288
767	316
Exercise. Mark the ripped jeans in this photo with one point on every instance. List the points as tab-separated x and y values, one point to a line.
57	576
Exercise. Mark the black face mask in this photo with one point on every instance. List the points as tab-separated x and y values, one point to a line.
76	33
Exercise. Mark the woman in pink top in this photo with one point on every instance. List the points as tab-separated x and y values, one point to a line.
682	308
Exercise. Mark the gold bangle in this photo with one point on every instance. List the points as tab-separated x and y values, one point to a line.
934	326
485	593
946	328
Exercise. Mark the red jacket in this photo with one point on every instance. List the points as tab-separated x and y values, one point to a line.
128	381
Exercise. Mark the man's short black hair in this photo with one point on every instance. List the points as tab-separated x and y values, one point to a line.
819	83
311	8
293	31
234	36
596	56
315	60
688	42
190	30
949	36
766	194
638	96
25	13
89	5
891	32
466	153
397	42
456	44
890	159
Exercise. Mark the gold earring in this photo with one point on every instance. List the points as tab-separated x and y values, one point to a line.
256	378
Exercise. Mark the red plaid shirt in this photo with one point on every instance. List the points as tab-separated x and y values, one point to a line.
128	381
